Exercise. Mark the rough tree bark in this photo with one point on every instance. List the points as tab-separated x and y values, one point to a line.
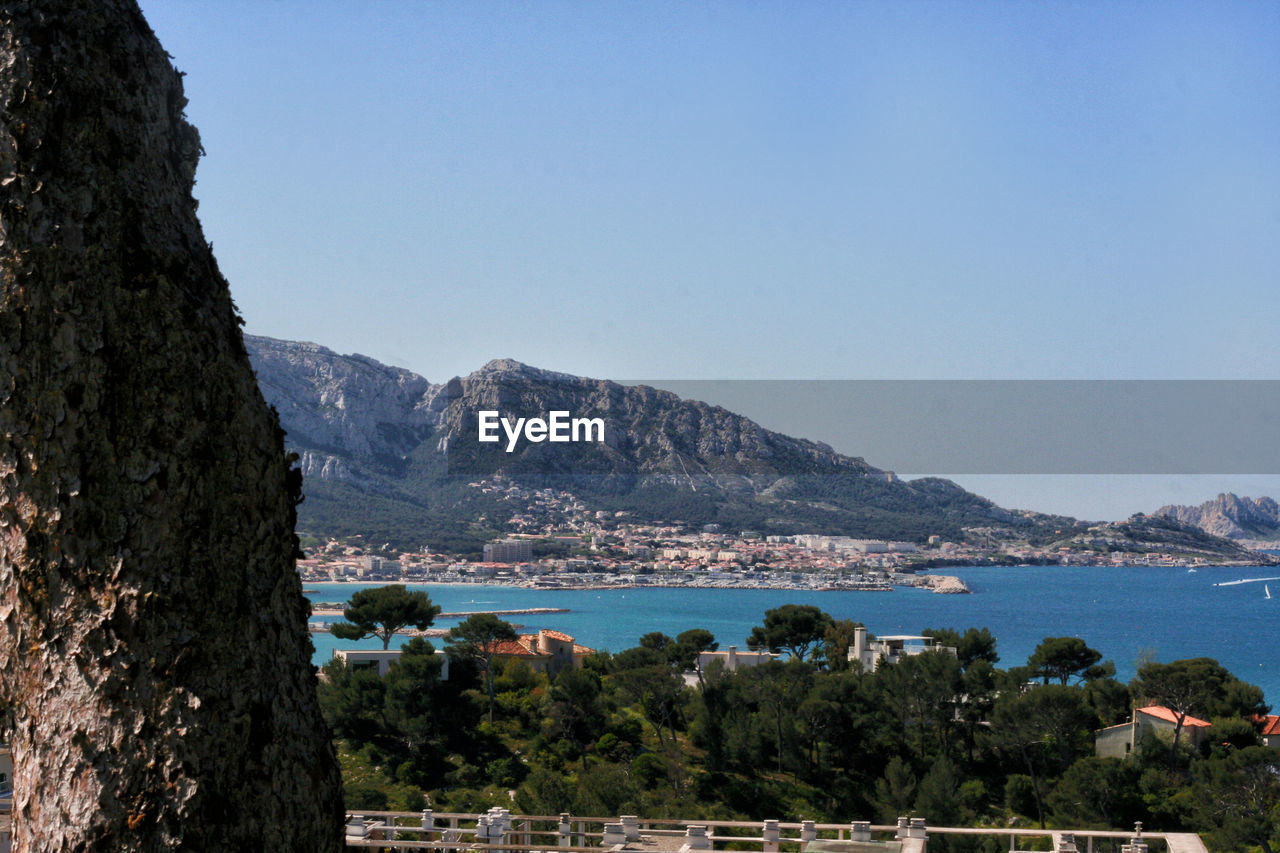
153	646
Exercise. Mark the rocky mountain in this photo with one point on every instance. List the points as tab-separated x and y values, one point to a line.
347	416
388	454
1231	516
379	440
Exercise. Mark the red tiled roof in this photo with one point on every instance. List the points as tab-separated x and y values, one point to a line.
526	645
1271	725
1162	713
520	648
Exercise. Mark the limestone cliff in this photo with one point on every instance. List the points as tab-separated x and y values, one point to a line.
153	647
1231	516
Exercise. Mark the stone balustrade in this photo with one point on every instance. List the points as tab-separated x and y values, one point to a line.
500	830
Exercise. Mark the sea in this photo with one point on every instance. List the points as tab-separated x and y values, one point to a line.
1129	613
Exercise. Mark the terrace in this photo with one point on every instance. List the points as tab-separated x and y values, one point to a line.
499	830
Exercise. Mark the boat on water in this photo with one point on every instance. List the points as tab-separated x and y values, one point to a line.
1267	590
1191	571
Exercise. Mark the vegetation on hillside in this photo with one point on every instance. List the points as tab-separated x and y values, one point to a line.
952	738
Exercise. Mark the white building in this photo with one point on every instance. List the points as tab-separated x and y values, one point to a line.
381	659
871	652
508	551
734	660
1119	741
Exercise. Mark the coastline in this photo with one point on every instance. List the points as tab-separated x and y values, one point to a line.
938	584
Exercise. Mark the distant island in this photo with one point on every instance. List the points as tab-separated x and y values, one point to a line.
678	489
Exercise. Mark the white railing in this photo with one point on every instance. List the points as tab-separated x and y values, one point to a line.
499	830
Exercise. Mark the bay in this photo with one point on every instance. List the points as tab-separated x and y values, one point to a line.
1124	612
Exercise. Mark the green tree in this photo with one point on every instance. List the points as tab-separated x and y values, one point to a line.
689	644
836	641
818	718
351	701
895	791
576	713
938	801
978	696
1195	687
478	639
410	705
1239	795
780	688
794	628
1061	658
657	641
545	792
1231	733
973	645
1044	730
605	789
923	691
382	611
1097	793
1109	699
658	690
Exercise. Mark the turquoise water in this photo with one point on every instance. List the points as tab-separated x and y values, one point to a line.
1122	612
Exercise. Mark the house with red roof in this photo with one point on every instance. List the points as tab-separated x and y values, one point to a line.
546	651
1119	741
1269	730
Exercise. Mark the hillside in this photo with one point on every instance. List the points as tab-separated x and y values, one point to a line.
388	454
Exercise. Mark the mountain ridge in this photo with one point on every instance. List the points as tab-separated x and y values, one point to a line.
1231	516
387	452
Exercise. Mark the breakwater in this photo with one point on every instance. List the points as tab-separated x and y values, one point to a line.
330	608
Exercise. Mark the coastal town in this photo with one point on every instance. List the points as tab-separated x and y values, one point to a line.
552	540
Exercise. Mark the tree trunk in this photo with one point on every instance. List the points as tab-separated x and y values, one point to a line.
1035	784
153	648
1177	733
488	678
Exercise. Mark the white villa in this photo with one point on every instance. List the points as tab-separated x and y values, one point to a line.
873	651
381	659
733	659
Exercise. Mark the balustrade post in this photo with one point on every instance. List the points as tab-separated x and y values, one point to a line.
356	827
771	835
860	830
1136	844
613	834
808	831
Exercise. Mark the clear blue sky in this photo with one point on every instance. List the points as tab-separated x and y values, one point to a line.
750	190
